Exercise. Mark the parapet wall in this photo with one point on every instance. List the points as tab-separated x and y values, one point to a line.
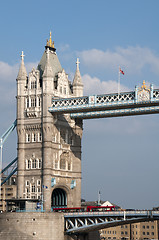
28	226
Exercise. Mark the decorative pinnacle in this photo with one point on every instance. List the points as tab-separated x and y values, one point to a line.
50	43
78	62
143	84
22	56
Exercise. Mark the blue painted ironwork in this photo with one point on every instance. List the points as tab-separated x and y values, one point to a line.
117	112
9	165
3	138
141	101
11	174
83	222
8	132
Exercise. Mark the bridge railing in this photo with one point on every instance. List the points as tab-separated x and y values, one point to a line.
111	213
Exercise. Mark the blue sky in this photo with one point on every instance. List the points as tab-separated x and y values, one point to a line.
120	155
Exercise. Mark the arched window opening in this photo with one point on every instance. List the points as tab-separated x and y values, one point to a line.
34	163
63	158
28	164
33	189
59	198
40	163
62	163
69	165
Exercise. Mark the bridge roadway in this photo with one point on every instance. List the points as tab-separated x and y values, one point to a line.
84	222
141	101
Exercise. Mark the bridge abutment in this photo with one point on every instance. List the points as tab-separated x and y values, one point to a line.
28	226
39	226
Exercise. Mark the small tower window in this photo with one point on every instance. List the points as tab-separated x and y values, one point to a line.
27	102
33	188
63	158
56	164
40	163
28	164
33	84
69	165
38	182
33	137
27	183
28	137
62	164
33	102
34	163
39	137
39	101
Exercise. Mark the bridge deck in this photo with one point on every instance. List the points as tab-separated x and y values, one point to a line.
90	221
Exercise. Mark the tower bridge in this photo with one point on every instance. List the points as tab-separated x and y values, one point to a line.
50	113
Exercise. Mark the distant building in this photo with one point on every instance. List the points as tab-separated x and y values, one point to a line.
8	191
135	231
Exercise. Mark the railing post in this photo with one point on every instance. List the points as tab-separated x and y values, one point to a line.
136	91
151	92
124	215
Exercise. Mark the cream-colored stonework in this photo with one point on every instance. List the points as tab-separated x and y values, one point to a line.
49	146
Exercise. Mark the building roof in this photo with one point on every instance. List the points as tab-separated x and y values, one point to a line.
95	203
53	59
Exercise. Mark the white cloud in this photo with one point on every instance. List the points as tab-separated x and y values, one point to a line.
93	85
8	74
133	59
63	48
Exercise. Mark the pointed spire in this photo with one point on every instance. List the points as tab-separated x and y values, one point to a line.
50	44
77	82
48	69
77	78
22	70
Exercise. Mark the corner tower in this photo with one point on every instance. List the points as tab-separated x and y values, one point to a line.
49	146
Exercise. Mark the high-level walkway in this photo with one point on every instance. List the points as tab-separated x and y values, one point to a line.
141	101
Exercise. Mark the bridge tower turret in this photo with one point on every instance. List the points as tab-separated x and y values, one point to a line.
47	127
77	82
49	145
21	83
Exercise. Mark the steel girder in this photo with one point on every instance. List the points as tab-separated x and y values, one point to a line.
77	223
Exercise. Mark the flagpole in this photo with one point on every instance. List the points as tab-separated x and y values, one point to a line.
119	83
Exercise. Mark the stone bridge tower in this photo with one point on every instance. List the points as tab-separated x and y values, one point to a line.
49	146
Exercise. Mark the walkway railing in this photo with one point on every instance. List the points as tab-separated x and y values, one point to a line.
141	101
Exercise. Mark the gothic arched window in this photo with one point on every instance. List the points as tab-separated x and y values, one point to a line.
28	164
34	163
40	163
63	159
33	188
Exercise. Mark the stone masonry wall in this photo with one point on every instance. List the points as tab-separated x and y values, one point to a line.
31	226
